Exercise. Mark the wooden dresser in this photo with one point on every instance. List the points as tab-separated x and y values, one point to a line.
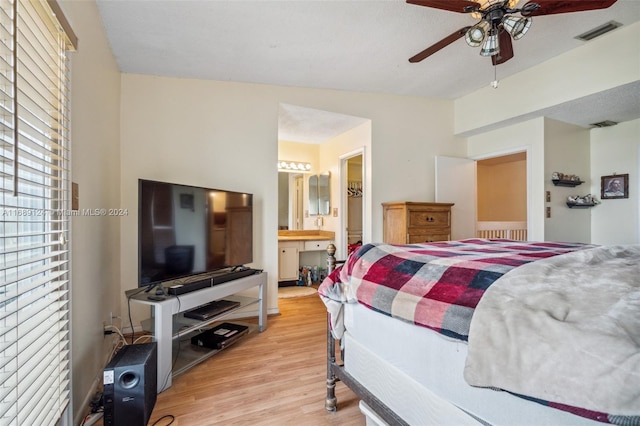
407	222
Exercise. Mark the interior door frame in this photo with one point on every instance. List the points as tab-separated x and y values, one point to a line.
341	244
441	195
501	153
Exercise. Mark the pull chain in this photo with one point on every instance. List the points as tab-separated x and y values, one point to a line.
494	83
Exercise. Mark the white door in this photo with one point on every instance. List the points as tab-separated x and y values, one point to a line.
456	183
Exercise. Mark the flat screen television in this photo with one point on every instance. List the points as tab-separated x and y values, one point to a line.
187	230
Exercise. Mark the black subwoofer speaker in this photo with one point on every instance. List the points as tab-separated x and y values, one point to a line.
130	385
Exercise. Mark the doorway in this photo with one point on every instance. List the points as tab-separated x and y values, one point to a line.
353	167
488	193
326	140
502	197
502	188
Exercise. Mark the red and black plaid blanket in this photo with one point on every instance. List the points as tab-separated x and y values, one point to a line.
434	285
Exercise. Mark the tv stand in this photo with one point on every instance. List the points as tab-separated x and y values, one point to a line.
169	311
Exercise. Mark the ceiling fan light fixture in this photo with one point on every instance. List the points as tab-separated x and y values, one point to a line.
490	46
476	34
507	3
485	4
516	26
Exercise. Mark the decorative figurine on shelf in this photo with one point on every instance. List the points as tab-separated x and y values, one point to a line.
566	177
586	200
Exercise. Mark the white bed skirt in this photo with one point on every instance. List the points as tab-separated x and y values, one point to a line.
417	373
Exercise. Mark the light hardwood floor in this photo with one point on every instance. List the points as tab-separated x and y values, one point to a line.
276	377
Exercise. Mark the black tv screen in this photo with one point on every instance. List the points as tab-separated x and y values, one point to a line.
187	230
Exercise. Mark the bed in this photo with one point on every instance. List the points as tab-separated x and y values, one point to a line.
487	331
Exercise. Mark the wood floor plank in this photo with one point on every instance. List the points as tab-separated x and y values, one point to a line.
276	377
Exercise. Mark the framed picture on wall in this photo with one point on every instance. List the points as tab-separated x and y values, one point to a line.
614	186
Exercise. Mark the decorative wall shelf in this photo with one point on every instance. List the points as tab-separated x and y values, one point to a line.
580	205
561	182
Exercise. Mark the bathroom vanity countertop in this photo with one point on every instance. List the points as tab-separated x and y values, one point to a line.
305	235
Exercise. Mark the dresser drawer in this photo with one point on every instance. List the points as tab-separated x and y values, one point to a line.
316	245
418	218
428	238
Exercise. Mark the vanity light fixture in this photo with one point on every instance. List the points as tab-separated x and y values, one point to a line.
294	166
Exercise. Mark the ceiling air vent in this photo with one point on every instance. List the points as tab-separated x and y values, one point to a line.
605	123
598	31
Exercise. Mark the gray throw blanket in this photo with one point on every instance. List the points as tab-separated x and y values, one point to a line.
564	329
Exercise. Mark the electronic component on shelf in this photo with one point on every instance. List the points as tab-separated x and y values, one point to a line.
220	336
217	278
211	309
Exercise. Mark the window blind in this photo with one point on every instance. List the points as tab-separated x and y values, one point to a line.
34	221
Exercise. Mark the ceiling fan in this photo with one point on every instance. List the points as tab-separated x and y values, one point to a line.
499	22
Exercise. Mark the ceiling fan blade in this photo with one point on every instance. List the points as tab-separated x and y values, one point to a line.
462	6
506	49
550	7
439	45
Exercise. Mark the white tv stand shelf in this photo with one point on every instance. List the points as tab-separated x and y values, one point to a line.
167	313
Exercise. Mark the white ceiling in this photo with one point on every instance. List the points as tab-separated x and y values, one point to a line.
356	45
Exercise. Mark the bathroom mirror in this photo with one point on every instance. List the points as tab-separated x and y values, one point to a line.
319	196
313	195
323	194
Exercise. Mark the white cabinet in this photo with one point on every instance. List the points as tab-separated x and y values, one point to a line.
289	256
288	260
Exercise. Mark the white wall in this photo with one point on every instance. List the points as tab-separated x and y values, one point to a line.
555	146
606	62
95	241
489	118
566	151
616	150
405	142
224	134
